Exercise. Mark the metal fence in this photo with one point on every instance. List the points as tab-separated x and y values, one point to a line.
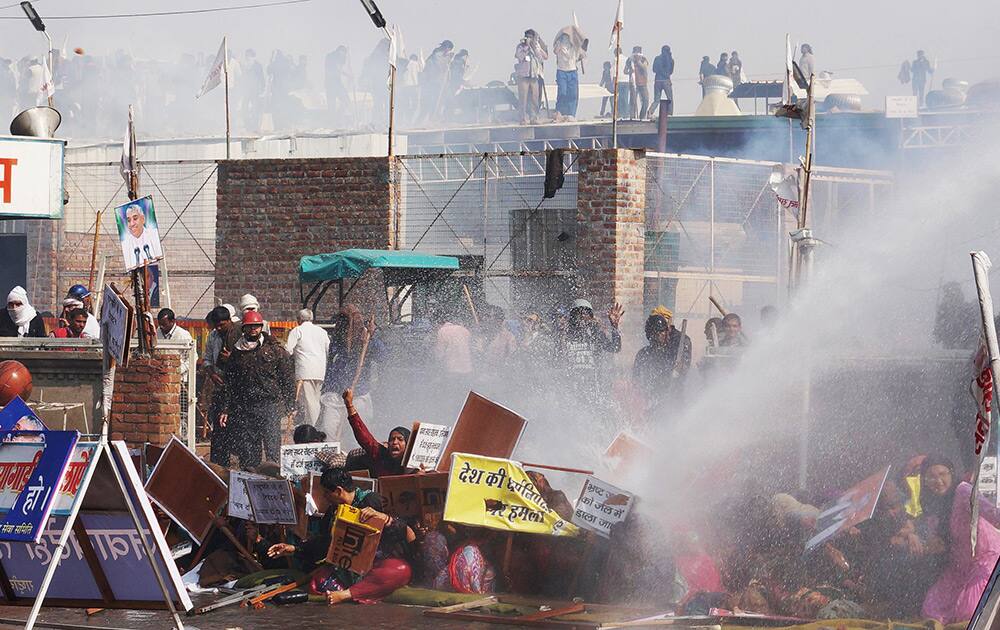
184	195
714	229
489	210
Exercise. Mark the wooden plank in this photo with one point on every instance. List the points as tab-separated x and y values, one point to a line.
513	621
555	612
103	585
486	601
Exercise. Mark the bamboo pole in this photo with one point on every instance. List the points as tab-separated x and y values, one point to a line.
614	101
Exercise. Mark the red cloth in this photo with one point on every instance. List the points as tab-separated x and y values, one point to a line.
382	464
64	333
385	577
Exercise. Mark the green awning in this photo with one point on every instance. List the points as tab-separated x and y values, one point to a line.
352	263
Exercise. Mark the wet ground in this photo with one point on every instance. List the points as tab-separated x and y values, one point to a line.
293	617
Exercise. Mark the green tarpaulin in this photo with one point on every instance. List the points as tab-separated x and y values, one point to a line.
352	263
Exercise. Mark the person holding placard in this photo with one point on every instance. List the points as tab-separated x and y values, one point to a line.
386	459
389	572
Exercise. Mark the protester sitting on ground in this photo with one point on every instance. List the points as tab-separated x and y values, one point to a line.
732	331
20	319
389	572
347	342
308	434
953	598
386	458
79	296
76	328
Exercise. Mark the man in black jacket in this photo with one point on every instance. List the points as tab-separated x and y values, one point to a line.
657	371
260	391
663	68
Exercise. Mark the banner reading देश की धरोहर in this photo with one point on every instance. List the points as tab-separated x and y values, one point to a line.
497	493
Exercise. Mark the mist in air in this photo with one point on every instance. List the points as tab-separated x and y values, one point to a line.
318	65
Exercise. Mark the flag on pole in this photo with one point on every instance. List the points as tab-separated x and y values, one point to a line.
619	23
987	361
48	88
214	77
789	58
129	167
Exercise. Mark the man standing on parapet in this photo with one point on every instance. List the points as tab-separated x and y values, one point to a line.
260	391
920	69
529	60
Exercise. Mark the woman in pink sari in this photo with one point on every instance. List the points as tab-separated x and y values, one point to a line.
954	595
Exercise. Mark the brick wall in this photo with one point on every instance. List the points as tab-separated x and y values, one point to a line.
146	404
273	212
43	242
611	200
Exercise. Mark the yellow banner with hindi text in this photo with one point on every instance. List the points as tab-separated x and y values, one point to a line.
497	493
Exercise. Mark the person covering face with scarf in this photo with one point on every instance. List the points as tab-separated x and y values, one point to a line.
20	319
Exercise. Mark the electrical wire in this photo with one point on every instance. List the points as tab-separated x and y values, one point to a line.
108	16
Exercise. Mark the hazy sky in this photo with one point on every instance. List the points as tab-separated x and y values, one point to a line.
849	36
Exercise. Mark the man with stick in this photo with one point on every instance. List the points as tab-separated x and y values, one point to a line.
260	391
353	351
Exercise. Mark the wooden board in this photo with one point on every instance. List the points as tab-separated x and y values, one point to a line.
483	428
186	489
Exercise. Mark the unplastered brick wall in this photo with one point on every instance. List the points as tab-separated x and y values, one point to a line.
611	201
273	212
147	396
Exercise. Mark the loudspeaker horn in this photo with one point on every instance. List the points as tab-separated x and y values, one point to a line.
38	122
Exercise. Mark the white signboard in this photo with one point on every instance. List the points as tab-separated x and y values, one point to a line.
600	506
18	459
31	178
239	502
114	324
298	460
271	501
901	107
427	443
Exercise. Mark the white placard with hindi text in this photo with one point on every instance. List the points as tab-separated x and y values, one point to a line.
428	443
298	460
901	107
601	506
271	501
239	502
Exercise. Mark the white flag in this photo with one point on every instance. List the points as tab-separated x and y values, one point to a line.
619	23
48	88
784	181
129	166
396	45
214	77
987	364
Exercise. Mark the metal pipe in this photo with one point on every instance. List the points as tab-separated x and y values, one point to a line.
661	126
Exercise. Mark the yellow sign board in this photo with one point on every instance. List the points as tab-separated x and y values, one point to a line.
497	493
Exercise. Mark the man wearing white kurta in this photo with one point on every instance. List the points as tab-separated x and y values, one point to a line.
141	243
308	344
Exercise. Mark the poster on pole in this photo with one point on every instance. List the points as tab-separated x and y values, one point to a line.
299	460
271	501
138	233
601	506
239	502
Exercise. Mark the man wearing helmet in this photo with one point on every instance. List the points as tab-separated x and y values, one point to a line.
658	372
79	296
260	391
585	344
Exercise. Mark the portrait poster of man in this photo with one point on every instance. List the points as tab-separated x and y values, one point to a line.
137	232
